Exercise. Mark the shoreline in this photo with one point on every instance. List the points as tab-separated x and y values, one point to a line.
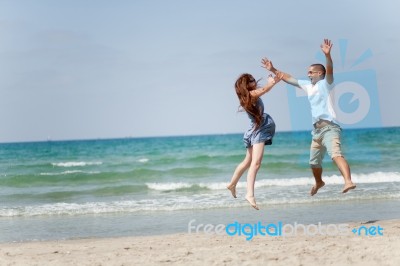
54	228
215	249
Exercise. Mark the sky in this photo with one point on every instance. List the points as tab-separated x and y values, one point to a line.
94	69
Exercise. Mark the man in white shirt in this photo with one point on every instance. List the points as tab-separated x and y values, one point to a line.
326	133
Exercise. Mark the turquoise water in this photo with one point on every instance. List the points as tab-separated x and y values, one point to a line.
75	181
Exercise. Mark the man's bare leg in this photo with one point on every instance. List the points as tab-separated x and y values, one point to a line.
317	172
344	169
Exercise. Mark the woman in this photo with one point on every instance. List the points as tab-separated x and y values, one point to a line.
260	133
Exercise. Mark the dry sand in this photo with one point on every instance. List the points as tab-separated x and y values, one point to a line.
204	249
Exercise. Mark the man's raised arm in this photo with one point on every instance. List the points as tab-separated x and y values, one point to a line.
326	47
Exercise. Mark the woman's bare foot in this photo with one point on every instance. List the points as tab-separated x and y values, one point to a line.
233	190
252	202
315	188
348	186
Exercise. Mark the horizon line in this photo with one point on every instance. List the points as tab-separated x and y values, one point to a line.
167	136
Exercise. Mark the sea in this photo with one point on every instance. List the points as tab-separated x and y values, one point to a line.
55	190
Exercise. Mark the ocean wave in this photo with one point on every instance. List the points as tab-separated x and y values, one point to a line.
57	209
168	186
377	177
75	164
143	160
202	202
70	172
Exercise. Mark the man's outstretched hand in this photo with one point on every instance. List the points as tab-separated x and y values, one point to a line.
267	64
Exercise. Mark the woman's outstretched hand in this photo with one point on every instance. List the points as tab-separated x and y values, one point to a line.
275	79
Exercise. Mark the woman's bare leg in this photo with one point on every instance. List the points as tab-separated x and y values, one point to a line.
240	169
257	156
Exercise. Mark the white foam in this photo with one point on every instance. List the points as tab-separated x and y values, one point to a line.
143	160
71	172
194	202
75	164
377	177
168	186
218	196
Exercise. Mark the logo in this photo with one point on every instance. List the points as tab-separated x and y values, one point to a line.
355	95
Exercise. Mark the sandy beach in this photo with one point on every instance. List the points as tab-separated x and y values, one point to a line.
216	249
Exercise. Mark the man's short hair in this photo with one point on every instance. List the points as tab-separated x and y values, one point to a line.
320	67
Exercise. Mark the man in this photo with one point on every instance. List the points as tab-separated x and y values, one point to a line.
326	133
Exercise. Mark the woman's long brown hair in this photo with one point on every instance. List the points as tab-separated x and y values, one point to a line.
246	100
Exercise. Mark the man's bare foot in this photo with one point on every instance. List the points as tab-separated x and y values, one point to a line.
315	188
233	190
252	202
348	186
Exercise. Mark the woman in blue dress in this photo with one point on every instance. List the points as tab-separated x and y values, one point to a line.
259	134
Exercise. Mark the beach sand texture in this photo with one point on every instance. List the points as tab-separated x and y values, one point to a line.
204	249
